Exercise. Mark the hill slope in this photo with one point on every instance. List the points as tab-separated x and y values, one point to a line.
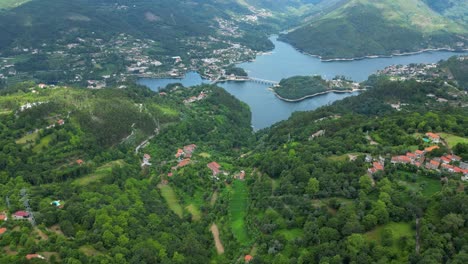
363	28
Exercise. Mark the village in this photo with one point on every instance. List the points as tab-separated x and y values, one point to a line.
449	163
96	63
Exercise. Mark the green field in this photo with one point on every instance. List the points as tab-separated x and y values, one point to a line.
453	140
99	173
426	186
291	234
43	144
194	211
29	137
171	198
238	211
399	230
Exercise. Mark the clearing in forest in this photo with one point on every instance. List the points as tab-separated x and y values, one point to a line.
453	140
214	197
399	230
219	246
238	211
101	172
194	211
171	198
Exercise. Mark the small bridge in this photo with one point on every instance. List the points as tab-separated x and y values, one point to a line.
263	81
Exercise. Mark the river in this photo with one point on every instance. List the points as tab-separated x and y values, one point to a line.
285	61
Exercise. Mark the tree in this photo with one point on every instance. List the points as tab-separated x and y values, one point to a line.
387	237
365	183
313	186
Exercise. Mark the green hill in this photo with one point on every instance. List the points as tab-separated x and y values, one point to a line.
365	28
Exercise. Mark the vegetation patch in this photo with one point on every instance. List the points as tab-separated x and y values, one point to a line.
453	140
42	144
99	174
291	234
194	211
28	138
89	251
171	198
398	231
238	211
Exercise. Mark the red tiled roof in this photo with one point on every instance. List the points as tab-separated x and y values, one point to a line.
214	167
183	163
432	135
2	230
189	148
419	152
447	166
31	256
2	217
402	159
429	149
170	174
445	159
179	153
21	214
79	162
147	156
378	166
410	155
248	258
435	163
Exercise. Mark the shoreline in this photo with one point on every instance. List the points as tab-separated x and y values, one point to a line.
374	56
382	56
313	95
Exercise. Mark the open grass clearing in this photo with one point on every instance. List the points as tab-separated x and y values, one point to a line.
427	186
214	197
453	140
89	251
42	144
291	234
99	173
171	198
194	211
29	137
238	211
399	231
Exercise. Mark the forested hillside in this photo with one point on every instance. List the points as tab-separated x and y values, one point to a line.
365	28
133	176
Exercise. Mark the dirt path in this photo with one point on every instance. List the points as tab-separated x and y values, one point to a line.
219	246
418	236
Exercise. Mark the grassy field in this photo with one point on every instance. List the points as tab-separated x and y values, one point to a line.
291	234
42	144
89	251
453	140
171	198
98	174
399	230
427	186
29	137
194	211
238	211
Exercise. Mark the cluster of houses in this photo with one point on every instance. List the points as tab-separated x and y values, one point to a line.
451	163
192	99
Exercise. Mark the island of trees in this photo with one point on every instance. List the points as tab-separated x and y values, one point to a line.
298	88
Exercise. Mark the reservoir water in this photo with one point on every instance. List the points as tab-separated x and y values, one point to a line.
285	61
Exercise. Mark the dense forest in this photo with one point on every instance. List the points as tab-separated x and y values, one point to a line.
131	175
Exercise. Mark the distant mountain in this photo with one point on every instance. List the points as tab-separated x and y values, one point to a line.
363	28
455	9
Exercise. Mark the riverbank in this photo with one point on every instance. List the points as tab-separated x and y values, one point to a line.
376	56
313	95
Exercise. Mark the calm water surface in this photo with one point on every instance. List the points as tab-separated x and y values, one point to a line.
285	61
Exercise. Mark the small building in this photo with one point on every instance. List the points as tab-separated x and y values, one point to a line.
181	164
445	160
248	258
454	157
170	174
432	165
448	167
21	215
317	134
3	216
433	137
401	159
179	153
79	162
3	230
214	167
419	153
33	256
61	122
376	166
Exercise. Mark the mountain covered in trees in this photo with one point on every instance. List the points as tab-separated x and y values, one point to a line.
362	28
128	175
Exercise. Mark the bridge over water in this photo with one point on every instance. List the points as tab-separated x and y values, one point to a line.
249	79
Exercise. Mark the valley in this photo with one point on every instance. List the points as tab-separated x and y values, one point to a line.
144	131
